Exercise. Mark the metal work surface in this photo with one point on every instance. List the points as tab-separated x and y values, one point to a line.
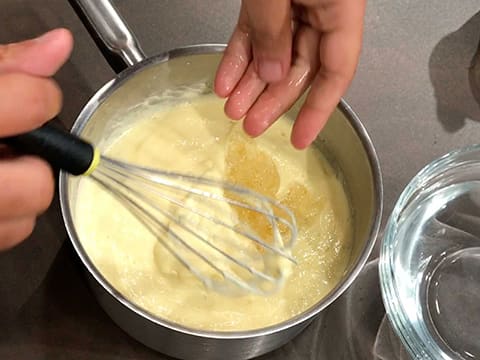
414	90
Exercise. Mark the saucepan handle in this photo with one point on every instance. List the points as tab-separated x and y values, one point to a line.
110	32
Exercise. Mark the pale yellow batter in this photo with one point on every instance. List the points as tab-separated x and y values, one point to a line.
197	138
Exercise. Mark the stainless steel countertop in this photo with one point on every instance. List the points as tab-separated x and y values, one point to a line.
412	91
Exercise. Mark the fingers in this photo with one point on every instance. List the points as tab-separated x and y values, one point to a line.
339	52
27	187
13	231
245	94
42	56
26	191
26	102
270	38
269	24
325	93
235	60
28	98
279	97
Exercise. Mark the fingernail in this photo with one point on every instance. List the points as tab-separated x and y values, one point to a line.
270	71
47	37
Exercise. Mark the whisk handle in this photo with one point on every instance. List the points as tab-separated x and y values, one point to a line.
61	149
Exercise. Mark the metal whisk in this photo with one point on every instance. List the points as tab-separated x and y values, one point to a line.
233	239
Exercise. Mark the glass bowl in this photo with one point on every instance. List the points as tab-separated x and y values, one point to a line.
430	260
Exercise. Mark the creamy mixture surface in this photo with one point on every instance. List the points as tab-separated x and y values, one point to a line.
196	137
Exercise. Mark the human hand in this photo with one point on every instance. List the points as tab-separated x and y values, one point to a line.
28	98
281	47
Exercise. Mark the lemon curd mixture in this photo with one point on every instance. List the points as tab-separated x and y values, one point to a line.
196	137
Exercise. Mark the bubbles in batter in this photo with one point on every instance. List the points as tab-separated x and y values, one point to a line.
197	138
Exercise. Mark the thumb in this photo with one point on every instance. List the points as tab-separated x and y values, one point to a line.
41	56
269	25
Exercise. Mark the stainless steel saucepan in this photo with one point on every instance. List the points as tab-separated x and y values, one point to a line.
142	79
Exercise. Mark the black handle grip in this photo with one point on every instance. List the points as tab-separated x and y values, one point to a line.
61	149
